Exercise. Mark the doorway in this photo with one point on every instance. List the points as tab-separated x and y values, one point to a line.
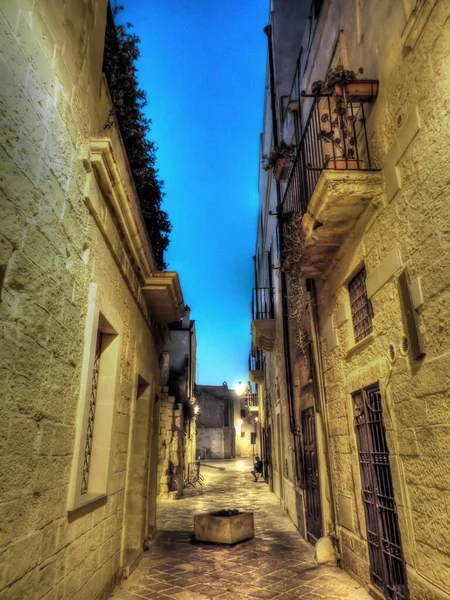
387	565
311	475
136	500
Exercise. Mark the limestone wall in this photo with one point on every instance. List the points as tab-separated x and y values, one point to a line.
409	52
171	449
54	247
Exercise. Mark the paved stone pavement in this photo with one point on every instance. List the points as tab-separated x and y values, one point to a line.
277	563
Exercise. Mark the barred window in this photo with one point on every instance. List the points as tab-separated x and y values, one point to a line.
91	415
361	306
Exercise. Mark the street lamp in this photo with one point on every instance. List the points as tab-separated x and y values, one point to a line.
240	388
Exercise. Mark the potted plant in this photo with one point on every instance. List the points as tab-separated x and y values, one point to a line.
342	137
344	83
279	159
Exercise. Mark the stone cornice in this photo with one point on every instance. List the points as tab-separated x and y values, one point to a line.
162	292
112	169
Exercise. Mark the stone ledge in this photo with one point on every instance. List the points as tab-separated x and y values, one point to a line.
162	292
338	203
264	332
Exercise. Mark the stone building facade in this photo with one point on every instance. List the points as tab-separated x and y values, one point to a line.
215	422
356	351
84	313
177	426
227	423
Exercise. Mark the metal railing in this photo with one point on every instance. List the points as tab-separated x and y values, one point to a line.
262	303
251	400
334	137
256	360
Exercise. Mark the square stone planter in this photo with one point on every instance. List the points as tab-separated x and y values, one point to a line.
210	527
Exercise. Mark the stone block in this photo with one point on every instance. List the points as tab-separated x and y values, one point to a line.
224	530
324	551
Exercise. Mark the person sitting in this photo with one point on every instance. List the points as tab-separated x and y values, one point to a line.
257	468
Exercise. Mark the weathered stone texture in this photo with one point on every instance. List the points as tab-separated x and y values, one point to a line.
408	115
53	100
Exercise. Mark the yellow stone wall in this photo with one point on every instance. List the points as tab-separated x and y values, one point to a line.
53	100
410	53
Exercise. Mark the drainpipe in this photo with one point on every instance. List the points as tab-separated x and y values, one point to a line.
322	395
287	354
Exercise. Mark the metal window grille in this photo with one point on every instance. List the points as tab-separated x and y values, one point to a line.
360	306
388	572
91	415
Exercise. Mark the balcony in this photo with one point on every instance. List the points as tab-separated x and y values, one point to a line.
251	402
333	179
256	365
263	319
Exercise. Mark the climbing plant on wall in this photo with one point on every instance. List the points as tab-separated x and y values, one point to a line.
119	65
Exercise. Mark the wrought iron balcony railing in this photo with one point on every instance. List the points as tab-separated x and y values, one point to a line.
251	400
256	360
335	138
262	303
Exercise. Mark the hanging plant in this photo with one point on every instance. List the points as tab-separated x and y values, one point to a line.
269	161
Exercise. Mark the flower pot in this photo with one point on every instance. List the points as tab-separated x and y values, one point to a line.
364	90
282	167
341	163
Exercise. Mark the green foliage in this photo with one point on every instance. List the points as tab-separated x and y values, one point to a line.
119	66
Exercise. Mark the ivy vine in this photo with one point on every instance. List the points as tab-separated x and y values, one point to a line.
129	100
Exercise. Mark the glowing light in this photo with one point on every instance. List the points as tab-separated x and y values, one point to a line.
196	409
239	422
256	419
240	388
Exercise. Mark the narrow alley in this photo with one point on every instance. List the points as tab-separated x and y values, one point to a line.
277	563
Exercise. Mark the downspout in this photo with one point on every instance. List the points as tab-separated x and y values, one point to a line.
323	402
287	354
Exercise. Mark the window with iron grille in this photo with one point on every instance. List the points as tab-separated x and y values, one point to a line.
361	306
91	415
243	413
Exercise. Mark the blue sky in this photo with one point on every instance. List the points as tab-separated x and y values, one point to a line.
202	66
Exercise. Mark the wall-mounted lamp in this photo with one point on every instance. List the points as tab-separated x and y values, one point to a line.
256	419
240	388
239	422
196	409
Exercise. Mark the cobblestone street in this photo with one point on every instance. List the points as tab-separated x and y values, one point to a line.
277	563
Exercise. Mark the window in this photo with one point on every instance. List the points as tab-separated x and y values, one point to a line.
91	466
361	306
91	415
243	413
242	434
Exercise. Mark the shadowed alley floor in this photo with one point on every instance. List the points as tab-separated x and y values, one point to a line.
277	563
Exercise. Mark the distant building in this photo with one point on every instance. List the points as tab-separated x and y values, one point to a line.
351	285
227	424
178	407
215	422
